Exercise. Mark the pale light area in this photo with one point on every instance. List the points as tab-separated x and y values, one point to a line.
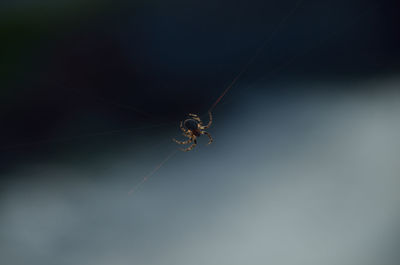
309	180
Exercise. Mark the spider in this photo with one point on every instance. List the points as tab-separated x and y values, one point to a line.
193	128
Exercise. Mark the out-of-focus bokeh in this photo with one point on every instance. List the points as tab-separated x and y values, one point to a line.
304	168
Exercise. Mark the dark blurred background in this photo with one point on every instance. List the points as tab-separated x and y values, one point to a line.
93	91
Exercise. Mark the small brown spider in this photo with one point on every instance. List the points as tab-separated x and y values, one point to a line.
193	128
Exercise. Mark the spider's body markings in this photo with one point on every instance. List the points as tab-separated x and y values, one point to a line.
192	125
193	128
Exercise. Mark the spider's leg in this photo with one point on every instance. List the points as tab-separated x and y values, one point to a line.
186	134
195	117
209	136
182	128
209	122
192	146
182	142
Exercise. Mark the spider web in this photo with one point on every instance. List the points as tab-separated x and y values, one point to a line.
245	68
233	82
268	75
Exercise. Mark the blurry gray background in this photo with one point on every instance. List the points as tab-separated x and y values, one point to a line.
304	168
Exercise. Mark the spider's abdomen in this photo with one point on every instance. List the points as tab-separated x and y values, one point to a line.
191	124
